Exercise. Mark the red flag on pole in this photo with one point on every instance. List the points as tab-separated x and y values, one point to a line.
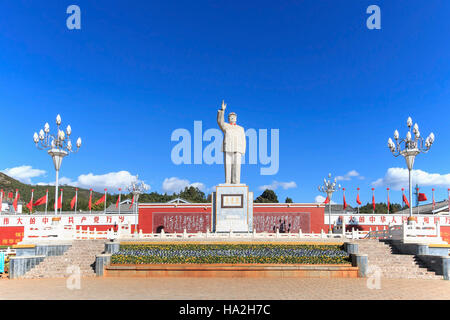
132	201
72	203
30	204
345	202
422	197
373	199
358	201
16	199
40	201
90	200
405	200
101	200
59	200
388	201
118	199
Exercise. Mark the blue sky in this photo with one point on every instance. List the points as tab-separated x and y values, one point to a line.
138	70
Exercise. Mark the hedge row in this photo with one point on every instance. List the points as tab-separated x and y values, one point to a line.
230	253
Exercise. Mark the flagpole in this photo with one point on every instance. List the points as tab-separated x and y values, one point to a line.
60	210
344	204
373	201
120	193
418	203
403	200
31	201
135	221
90	199
105	201
17	191
388	205
433	199
1	200
358	199
46	201
76	200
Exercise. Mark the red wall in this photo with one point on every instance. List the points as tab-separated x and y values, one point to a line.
271	221
10	235
445	234
312	216
198	217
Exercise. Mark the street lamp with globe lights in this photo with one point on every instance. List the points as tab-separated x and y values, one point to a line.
137	187
409	148
329	188
58	146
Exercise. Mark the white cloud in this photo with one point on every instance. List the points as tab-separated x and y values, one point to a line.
198	185
175	185
349	175
24	173
321	199
397	178
111	181
278	184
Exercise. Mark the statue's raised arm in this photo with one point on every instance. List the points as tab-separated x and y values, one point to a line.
221	116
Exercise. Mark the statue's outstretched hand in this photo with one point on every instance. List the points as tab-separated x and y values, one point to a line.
224	106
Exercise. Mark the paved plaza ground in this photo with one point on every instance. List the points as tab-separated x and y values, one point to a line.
222	288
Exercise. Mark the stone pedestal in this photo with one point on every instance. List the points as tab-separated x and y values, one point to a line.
232	208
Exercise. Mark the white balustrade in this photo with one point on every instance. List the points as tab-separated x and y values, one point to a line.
401	232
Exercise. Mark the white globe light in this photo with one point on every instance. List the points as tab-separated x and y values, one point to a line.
41	134
396	135
408	136
69	145
62	135
79	142
416	128
69	130
390	143
409	122
47	128
58	119
431	138
36	138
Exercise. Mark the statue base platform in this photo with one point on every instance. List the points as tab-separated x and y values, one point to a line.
232	208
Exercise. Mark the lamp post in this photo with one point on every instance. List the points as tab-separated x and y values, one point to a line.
329	188
58	146
409	148
137	188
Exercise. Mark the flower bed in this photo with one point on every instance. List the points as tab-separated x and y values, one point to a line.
230	254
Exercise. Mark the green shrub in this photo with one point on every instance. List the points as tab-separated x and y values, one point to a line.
230	253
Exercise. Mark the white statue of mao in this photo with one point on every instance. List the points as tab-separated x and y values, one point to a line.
233	147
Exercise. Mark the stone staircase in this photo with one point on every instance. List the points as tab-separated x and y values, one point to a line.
392	264
82	254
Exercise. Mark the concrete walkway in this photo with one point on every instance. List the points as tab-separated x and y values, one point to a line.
217	288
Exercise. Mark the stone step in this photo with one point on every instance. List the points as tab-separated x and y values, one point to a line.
393	265
82	253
